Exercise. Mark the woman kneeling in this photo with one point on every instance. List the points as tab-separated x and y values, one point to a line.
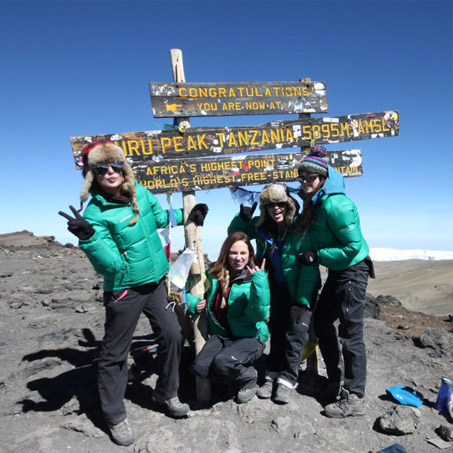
237	304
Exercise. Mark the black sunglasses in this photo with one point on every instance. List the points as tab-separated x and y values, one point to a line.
103	169
281	204
308	178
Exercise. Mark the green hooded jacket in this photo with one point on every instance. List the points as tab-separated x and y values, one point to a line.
127	256
335	227
248	307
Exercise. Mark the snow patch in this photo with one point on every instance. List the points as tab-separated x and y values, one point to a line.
385	254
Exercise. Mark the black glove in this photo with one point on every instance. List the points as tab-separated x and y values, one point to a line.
246	213
78	226
198	214
308	258
297	313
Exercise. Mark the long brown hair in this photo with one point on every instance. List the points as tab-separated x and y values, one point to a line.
221	265
221	268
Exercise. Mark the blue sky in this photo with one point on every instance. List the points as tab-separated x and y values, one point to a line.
83	68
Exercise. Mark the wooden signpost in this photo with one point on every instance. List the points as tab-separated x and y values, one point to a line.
186	159
193	241
240	98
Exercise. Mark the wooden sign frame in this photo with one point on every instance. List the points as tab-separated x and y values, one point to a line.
214	172
201	141
237	98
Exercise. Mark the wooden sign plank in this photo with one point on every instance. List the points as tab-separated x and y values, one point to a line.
237	98
197	142
180	175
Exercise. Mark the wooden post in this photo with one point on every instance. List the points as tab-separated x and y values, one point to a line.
313	358
193	240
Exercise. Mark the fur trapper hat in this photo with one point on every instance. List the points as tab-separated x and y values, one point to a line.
276	193
106	152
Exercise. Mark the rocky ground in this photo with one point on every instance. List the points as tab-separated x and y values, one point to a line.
51	319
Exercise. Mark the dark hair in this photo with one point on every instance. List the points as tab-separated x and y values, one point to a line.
221	265
304	220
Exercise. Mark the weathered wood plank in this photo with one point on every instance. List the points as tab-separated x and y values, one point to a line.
154	146
237	98
180	175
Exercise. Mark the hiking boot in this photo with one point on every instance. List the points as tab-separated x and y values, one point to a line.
330	392
282	394
246	394
349	405
122	433
172	406
265	392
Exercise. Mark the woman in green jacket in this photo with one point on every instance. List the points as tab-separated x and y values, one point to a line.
237	305
337	243
293	287
118	233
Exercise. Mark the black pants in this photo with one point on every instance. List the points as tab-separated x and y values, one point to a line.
123	309
288	340
229	360
343	298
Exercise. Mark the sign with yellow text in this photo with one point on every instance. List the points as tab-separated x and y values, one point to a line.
153	146
181	175
237	98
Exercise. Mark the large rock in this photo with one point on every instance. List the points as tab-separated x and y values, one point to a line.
400	420
435	339
372	309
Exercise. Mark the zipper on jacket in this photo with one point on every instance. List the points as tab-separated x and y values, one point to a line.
126	265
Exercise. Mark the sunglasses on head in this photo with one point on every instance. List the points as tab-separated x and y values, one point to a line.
103	169
307	178
280	204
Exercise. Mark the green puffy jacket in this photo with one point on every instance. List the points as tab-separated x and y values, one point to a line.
335	227
248	307
125	255
303	281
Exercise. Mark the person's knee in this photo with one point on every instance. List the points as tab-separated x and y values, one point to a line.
351	331
200	369
171	336
222	367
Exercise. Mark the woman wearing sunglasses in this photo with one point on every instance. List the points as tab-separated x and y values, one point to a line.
293	288
118	233
333	222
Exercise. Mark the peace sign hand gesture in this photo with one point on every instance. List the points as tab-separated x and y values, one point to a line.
255	268
78	226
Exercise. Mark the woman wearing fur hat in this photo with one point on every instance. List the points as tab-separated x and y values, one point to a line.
118	233
293	288
333	222
237	305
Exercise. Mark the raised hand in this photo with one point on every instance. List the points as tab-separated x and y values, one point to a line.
198	214
77	225
246	212
255	268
